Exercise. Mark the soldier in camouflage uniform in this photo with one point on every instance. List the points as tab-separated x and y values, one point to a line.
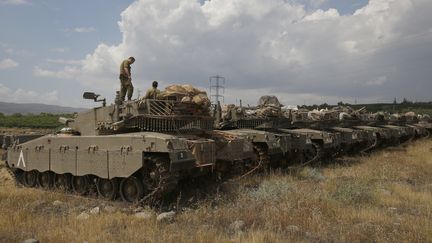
153	92
126	79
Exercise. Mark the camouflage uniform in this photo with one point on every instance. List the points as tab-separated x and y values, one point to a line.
125	83
152	93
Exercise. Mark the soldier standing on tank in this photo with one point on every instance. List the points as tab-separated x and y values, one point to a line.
126	79
153	92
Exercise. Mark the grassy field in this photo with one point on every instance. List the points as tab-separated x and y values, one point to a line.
385	197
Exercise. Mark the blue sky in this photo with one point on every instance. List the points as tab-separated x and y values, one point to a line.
53	51
43	33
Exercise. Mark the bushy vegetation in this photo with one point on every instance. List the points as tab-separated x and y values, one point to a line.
42	120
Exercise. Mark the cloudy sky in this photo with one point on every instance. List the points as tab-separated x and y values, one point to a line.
303	51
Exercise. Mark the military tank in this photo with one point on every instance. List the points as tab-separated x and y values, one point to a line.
139	150
136	149
297	142
411	120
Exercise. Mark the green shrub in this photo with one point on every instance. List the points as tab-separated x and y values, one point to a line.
43	120
353	192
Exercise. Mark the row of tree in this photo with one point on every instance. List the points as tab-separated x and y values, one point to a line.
43	120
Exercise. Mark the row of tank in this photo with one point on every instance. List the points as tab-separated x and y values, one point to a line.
139	150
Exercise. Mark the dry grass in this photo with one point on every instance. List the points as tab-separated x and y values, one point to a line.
386	197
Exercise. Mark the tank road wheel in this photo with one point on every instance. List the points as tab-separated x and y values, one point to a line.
45	180
63	181
131	189
30	178
107	188
80	184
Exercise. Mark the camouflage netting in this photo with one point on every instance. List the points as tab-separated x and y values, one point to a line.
232	111
187	93
425	117
335	113
348	113
269	100
269	106
411	114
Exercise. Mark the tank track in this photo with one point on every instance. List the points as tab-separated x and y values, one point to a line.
315	158
318	155
369	148
262	162
164	182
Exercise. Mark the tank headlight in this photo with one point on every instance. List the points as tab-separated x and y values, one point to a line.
181	155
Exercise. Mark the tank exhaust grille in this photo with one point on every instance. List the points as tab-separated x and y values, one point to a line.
185	125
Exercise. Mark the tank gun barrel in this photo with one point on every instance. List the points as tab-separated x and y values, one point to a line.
65	121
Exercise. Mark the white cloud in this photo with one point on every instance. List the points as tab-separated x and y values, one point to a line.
66	73
269	44
27	96
84	29
322	15
13	51
377	82
63	61
80	30
60	49
14	2
8	64
309	3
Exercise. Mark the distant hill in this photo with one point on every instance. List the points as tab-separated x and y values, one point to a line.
32	108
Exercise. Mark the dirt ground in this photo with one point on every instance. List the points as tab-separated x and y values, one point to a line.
384	197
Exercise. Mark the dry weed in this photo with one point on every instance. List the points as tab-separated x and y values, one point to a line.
385	197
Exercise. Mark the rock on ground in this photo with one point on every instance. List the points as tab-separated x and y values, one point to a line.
95	210
83	216
110	209
57	203
312	174
31	241
166	217
292	228
138	209
237	226
143	215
